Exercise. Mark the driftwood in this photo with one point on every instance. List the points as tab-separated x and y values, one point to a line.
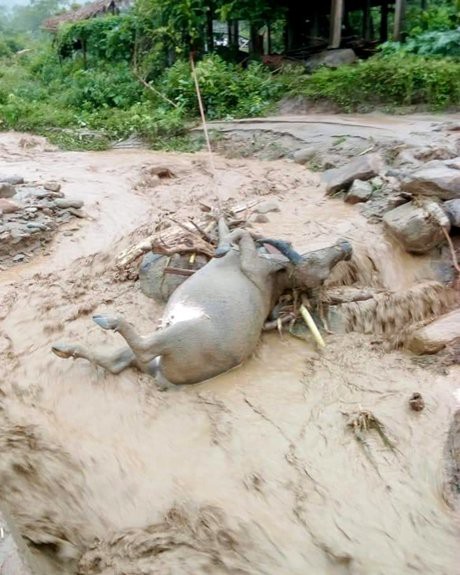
182	237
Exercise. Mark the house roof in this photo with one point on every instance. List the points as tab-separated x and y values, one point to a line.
97	8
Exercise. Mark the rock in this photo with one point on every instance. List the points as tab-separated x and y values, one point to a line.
359	192
259	218
6	190
154	283
441	180
8	206
13	180
436	335
52	186
452	210
19	257
415	227
416	402
267	207
331	59
303	155
361	168
64	203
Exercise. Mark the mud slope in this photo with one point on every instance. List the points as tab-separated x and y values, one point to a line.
254	472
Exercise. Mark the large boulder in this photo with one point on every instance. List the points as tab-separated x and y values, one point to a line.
416	226
8	206
439	179
360	168
436	335
452	210
331	59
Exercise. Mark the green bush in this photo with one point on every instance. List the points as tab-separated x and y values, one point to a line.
399	79
439	43
226	89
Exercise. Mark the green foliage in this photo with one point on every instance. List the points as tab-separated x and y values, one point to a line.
396	80
438	43
227	90
440	15
110	38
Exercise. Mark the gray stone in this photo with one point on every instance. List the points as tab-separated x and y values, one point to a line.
303	155
452	210
441	180
267	207
415	226
14	180
331	59
6	190
259	219
156	284
64	203
52	186
359	192
360	168
19	257
436	335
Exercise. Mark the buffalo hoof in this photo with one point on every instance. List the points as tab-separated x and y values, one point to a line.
106	321
64	350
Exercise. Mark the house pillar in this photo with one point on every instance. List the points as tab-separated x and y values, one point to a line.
336	23
400	12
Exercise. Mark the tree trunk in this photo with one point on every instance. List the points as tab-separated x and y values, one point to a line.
384	21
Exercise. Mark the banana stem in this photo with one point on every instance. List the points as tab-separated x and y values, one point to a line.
312	326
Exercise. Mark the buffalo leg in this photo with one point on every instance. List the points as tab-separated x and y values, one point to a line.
115	361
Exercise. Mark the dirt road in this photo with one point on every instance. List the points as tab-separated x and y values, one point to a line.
254	472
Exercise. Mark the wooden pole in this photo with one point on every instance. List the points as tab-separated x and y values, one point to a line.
400	11
336	23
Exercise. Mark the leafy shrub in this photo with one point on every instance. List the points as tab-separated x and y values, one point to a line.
399	79
438	43
226	89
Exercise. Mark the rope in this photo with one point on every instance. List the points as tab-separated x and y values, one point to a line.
205	128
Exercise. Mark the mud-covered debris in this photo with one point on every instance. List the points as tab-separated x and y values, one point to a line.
360	168
416	402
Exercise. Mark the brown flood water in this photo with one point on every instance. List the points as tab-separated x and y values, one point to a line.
254	472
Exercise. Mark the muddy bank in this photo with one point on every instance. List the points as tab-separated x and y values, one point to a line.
257	471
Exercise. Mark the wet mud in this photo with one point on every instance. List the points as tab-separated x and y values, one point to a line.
256	471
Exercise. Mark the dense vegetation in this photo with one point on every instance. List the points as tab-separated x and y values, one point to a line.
110	77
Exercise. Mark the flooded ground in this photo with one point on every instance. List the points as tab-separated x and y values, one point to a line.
255	472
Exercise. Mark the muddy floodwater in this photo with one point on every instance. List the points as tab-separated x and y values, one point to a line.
254	472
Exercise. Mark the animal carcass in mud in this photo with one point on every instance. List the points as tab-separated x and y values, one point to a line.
213	321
